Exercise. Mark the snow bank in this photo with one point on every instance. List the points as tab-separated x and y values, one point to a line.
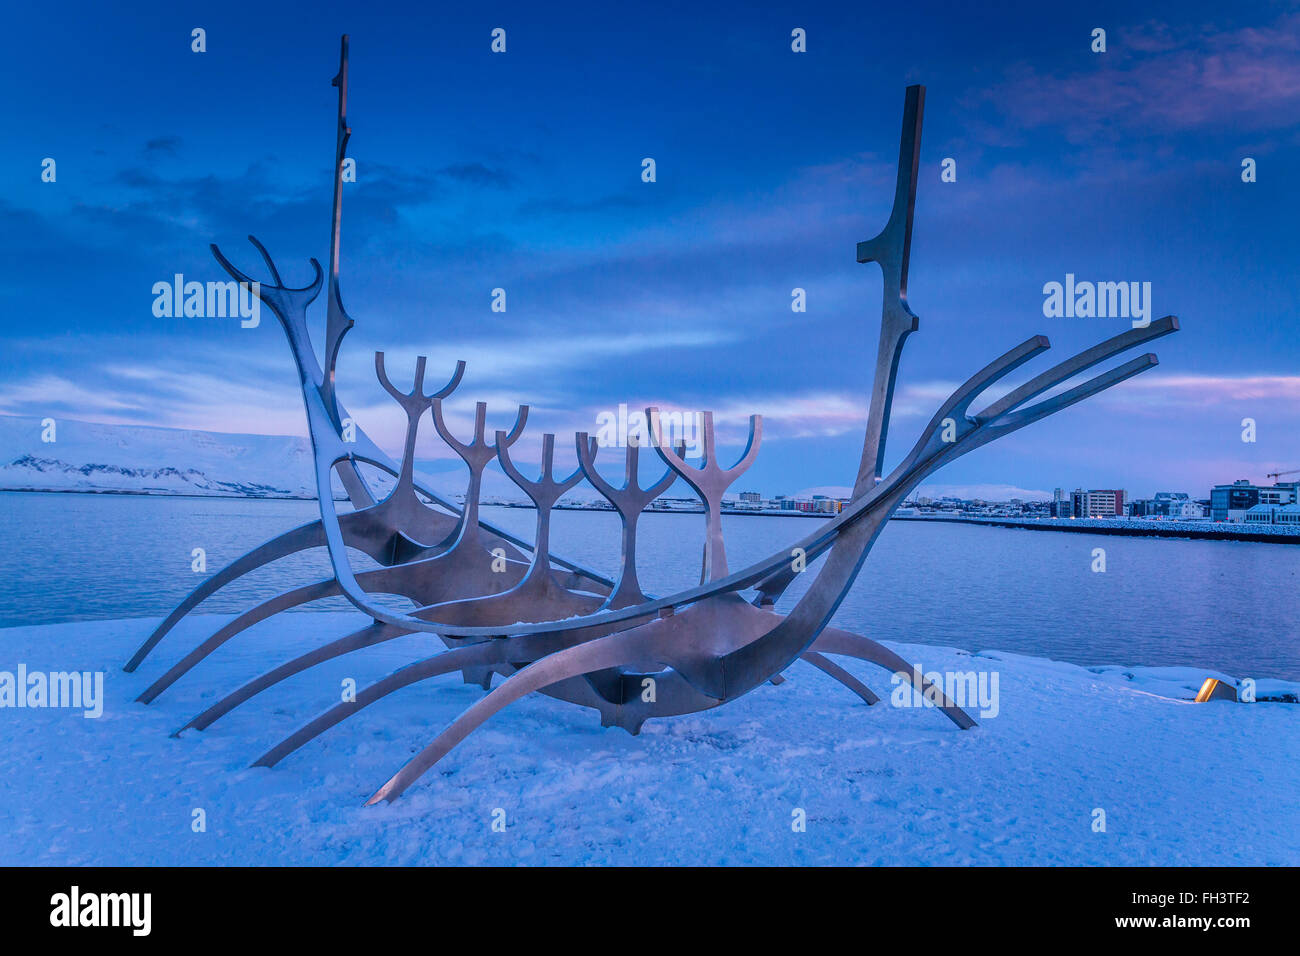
1179	783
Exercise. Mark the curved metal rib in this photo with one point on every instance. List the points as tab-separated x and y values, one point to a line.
365	637
831	669
599	654
310	535
474	655
281	602
531	594
835	641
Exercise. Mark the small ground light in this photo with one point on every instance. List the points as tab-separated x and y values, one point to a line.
1215	689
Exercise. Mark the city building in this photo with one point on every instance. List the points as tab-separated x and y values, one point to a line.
1231	502
1282	493
1062	509
1272	514
1097	503
1061	506
674	504
1177	505
1259	514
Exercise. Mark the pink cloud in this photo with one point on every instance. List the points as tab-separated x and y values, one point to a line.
1218	389
1152	79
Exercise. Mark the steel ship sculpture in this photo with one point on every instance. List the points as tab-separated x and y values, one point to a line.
496	606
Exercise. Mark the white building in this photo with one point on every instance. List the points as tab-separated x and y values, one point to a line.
1271	514
1177	504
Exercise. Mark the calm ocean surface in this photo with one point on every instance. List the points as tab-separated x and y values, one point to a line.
1234	606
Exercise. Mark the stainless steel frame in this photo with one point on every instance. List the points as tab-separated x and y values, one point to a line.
502	606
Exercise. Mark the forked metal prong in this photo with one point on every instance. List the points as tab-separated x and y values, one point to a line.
1078	363
270	263
415	396
1019	418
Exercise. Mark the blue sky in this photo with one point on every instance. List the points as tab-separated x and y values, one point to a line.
522	170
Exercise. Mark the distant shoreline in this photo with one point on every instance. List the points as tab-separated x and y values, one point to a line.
127	492
1102	526
1154	529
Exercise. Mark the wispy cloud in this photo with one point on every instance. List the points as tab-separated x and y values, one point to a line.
163	144
52	393
1156	78
530	362
1203	390
478	174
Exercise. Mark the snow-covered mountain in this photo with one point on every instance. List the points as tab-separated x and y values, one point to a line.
140	459
983	492
144	460
53	474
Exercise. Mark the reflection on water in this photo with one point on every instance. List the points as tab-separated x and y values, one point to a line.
1234	606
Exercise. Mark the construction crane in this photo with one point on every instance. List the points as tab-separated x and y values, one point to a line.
1279	474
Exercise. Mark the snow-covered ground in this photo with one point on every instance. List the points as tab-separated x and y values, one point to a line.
1179	783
